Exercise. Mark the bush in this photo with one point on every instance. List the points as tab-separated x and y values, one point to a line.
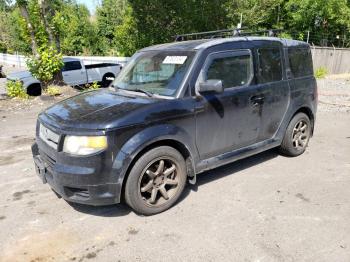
16	89
92	86
321	72
53	91
46	65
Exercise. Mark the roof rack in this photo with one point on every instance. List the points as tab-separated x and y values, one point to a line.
226	33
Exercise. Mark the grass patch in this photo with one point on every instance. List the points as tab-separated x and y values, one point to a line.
53	90
321	73
93	86
16	89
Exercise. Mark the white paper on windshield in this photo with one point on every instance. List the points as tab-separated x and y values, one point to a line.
178	60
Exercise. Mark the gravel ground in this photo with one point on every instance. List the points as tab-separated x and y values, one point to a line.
334	94
263	208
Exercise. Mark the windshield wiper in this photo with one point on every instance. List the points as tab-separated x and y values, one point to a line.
149	94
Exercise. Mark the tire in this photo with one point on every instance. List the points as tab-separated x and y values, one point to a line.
149	178
297	136
34	90
105	81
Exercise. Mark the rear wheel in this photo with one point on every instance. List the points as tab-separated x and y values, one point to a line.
107	80
297	136
156	181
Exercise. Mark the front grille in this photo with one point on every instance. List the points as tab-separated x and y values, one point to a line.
48	136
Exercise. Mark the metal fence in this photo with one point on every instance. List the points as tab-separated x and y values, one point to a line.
20	60
335	60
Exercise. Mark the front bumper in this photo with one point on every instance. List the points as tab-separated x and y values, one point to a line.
80	180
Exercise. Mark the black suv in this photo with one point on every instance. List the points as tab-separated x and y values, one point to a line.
174	111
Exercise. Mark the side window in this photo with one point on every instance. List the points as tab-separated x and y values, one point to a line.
72	65
270	65
234	70
300	62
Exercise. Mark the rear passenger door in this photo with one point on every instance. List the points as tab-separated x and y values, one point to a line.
274	89
73	73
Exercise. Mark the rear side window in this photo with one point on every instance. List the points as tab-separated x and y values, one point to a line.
233	69
72	65
300	62
270	65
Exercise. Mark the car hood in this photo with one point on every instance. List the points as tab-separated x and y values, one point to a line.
101	109
19	75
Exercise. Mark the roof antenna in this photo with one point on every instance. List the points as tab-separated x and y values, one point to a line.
271	33
236	32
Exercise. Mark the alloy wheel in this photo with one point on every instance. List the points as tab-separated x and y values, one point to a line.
159	182
300	135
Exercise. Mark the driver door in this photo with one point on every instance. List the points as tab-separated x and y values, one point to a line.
229	120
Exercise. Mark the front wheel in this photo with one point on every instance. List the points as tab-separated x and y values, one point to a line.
156	181
297	136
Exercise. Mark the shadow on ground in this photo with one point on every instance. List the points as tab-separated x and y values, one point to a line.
118	210
206	177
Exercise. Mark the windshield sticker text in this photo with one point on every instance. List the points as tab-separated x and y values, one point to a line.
179	60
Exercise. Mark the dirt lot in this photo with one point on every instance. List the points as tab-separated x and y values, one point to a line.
264	208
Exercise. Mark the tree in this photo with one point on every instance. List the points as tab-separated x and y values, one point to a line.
127	37
79	35
325	19
156	21
109	16
22	4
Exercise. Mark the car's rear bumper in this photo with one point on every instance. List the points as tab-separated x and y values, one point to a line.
76	183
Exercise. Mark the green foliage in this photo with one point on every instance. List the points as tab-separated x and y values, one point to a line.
93	86
126	35
109	16
256	14
16	89
325	19
53	90
321	72
80	35
149	22
46	65
120	27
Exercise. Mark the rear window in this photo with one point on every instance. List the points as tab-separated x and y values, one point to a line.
270	65
300	62
72	65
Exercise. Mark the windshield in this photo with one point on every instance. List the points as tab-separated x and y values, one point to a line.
155	72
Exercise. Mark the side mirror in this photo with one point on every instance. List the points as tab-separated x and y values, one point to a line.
211	85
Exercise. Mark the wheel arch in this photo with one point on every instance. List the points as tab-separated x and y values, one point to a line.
108	74
183	150
148	139
104	78
34	89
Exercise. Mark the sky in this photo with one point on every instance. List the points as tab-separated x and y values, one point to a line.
91	4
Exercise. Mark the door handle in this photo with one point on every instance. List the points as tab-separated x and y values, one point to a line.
257	100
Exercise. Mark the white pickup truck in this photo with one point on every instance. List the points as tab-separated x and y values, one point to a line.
74	73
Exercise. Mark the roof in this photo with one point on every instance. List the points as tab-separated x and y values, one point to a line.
70	59
205	43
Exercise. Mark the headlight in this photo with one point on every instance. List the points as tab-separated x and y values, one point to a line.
84	145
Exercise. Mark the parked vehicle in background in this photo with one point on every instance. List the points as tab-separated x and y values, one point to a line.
177	110
74	73
2	74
